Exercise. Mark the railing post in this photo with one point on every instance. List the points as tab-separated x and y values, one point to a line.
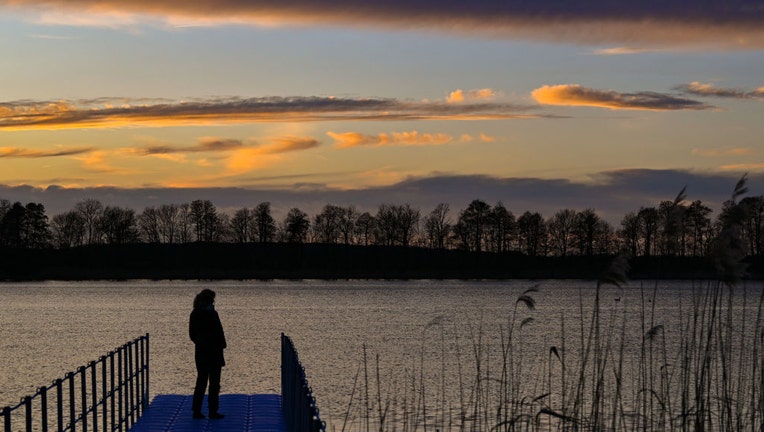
129	376
112	395
94	394
72	419
83	397
28	412
59	405
44	408
104	395
119	386
7	419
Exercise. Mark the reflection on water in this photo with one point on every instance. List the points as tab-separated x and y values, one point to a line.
419	337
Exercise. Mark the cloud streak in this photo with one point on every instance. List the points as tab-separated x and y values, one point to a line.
700	89
577	95
22	153
738	23
101	113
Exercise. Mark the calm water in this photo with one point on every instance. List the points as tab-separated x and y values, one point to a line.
48	329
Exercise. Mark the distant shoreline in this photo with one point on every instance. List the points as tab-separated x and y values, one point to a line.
219	261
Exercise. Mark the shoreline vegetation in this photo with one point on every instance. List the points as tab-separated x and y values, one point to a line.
700	369
217	261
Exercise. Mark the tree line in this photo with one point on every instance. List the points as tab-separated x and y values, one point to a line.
671	228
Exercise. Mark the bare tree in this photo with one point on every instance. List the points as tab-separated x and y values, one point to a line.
630	232
502	227
437	226
148	223
241	226
560	228
531	232
264	223
68	229
326	224
473	223
648	222
365	226
168	216
118	225
91	211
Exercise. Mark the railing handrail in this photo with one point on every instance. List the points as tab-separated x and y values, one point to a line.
297	401
124	388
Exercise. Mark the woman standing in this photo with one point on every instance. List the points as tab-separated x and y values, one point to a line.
206	332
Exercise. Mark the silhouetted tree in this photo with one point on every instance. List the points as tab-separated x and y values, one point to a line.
264	223
531	232
560	228
242	226
387	224
502	227
586	228
408	221
25	226
699	226
118	225
168	219
148	224
348	217
68	229
473	222
326	224
630	232
296	226
91	211
649	223
437	226
184	220
207	224
365	226
753	223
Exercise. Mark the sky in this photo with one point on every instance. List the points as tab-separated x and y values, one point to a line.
540	105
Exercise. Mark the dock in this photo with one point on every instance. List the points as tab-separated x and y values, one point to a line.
245	413
112	393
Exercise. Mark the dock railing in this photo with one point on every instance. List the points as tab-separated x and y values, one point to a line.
297	401
109	394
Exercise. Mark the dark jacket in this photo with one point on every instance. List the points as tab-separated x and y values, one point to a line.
206	331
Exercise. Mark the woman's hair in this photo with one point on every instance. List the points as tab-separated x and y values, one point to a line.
204	298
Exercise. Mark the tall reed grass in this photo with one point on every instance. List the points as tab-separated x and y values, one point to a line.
702	371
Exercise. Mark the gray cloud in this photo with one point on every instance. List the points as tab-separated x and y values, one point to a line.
612	194
731	23
700	89
84	114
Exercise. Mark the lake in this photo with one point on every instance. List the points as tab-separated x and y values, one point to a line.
408	353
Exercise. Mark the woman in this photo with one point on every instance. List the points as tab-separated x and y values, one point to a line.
206	332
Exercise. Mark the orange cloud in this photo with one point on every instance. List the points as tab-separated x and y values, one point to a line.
735	151
458	96
413	138
743	167
577	95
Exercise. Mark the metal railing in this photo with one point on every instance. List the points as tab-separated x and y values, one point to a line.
297	401
108	394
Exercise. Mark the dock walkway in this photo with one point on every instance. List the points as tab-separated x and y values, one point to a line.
255	412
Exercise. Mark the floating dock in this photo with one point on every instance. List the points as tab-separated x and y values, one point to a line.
245	413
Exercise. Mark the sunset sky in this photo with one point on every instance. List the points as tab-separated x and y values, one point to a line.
541	105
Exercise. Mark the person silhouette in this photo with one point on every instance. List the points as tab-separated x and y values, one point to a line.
206	332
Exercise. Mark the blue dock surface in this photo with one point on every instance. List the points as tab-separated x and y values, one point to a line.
256	412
